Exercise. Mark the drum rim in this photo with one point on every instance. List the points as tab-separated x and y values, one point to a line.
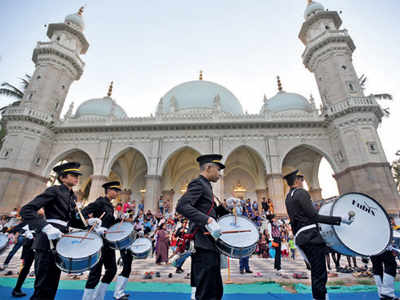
151	245
224	243
384	210
101	240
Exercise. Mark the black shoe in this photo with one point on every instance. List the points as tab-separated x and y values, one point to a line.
179	270
18	294
249	271
241	272
158	274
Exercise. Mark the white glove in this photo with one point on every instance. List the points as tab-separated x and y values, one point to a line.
52	232
347	220
96	221
214	229
100	230
125	216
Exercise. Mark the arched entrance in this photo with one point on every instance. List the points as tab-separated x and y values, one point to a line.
308	161
180	168
245	175
130	168
83	188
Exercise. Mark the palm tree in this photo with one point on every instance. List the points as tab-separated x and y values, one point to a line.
11	91
396	170
383	96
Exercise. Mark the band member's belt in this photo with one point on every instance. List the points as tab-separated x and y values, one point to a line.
304	229
59	222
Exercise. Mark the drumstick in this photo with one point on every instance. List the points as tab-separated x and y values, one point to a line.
93	226
80	214
77	237
116	231
230	231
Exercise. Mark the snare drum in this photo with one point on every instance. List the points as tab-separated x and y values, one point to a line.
121	235
368	235
141	248
239	244
3	242
76	255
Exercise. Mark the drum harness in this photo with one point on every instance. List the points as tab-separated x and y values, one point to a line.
189	237
304	228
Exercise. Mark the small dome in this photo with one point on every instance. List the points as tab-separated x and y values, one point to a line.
102	107
199	94
287	101
75	21
312	8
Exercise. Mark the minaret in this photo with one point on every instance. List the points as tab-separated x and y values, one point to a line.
352	118
58	64
30	132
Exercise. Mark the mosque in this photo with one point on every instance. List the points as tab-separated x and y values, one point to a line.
155	155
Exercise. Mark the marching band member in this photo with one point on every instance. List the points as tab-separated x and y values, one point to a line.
96	209
304	218
58	202
198	205
27	257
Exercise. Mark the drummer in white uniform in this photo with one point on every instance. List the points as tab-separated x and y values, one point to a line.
303	219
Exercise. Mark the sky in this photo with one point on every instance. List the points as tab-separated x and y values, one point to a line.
148	47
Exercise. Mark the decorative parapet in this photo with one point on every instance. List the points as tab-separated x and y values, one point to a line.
353	104
198	120
54	48
27	113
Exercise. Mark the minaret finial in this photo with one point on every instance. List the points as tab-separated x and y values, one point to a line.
110	88
201	75
80	11
309	2
279	84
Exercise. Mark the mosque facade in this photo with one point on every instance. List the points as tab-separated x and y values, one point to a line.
155	155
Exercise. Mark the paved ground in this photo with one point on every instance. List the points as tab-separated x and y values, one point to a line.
262	265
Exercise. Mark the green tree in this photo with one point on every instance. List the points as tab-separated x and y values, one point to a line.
11	91
396	170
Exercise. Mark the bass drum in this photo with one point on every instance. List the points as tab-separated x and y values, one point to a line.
368	235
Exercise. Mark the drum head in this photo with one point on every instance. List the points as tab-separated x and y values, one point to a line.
123	230
242	239
141	245
370	233
79	248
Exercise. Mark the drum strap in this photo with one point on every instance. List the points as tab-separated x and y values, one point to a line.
190	236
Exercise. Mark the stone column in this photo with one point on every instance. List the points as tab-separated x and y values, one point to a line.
315	194
153	190
218	188
96	189
276	193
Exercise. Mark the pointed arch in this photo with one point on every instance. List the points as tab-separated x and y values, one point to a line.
61	156
120	153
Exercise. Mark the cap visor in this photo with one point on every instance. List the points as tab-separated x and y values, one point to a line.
221	166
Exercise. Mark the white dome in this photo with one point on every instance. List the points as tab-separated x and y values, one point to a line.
287	101
198	95
102	107
312	8
75	20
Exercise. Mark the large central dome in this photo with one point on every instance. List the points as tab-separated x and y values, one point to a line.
199	95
